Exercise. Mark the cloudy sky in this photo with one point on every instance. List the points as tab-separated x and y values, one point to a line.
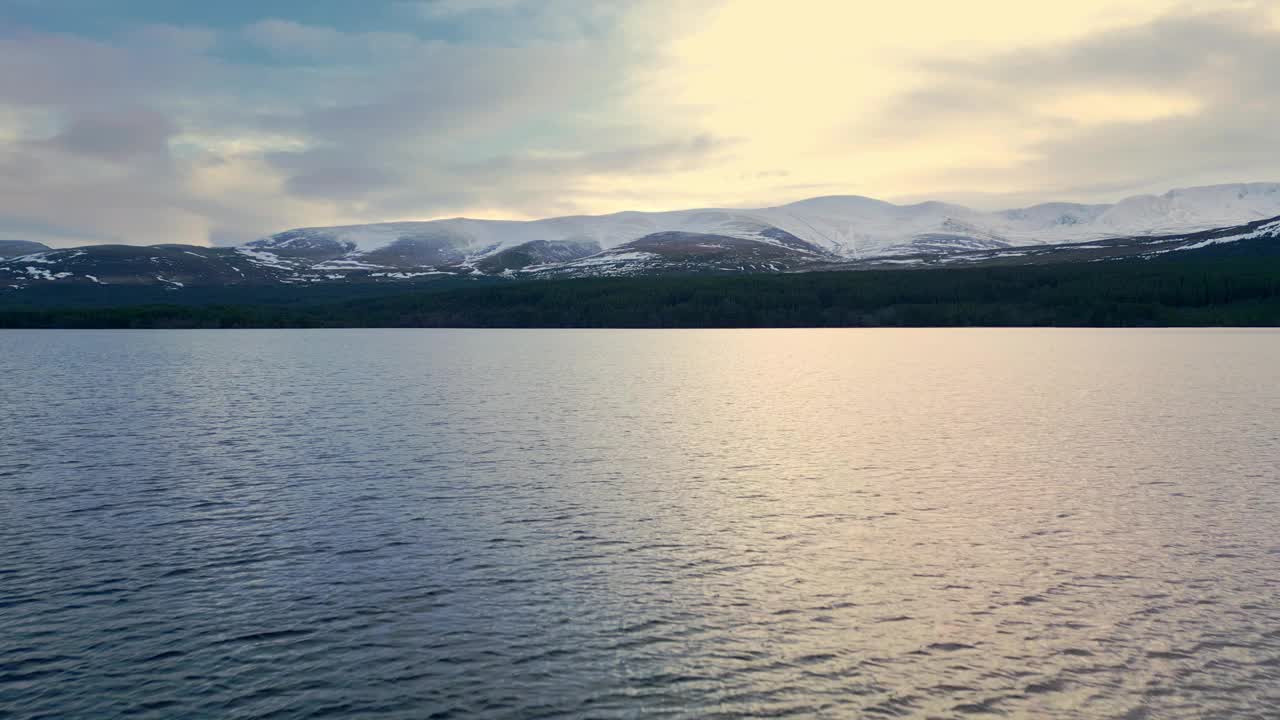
146	121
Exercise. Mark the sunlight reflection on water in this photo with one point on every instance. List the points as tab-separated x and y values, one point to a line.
1037	523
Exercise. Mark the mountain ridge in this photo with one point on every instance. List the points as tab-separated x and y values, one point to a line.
851	224
830	232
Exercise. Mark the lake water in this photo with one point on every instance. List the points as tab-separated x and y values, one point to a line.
522	524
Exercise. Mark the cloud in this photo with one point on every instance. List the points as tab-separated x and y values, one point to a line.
515	108
562	182
647	158
121	135
1183	99
453	8
296	40
292	37
340	126
332	175
174	37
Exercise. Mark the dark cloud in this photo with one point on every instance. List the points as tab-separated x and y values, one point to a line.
123	135
333	176
66	71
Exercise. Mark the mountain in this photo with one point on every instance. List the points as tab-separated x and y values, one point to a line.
1255	239
846	226
840	232
14	248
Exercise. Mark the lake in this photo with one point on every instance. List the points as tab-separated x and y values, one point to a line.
704	523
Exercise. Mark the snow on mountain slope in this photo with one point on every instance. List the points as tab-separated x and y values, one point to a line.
1191	209
485	236
306	260
1230	236
677	252
847	226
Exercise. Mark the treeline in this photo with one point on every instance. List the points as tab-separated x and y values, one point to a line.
1226	292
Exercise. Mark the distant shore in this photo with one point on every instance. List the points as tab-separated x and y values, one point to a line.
1234	292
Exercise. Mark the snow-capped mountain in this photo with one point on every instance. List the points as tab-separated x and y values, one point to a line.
845	226
819	233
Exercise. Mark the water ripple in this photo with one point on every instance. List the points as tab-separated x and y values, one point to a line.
453	524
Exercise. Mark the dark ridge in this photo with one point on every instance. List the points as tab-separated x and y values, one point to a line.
17	248
537	252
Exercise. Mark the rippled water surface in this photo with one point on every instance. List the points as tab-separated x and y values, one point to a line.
521	524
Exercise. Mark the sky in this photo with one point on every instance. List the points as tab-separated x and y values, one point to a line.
152	121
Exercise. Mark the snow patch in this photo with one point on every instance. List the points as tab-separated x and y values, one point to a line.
406	275
263	258
1267	230
42	274
621	257
346	265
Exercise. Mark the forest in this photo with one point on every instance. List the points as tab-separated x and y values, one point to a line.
1216	291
